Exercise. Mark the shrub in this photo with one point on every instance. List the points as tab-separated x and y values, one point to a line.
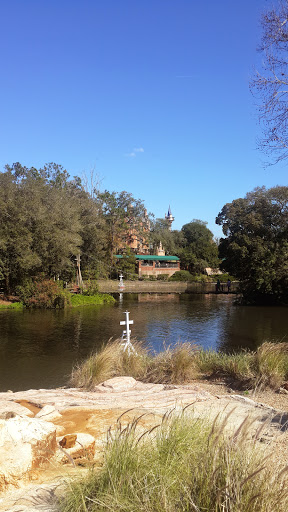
44	294
181	275
90	288
163	277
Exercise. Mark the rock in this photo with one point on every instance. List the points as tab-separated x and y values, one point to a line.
83	448
60	430
25	444
13	407
118	384
68	441
48	413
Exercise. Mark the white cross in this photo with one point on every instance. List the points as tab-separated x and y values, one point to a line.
126	333
121	284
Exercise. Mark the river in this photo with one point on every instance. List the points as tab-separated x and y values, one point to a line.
39	348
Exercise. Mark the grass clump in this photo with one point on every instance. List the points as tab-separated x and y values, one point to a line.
272	364
175	365
184	465
110	361
239	367
185	362
88	300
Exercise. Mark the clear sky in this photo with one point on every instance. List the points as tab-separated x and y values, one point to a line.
151	94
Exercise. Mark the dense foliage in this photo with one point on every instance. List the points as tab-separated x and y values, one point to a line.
46	219
255	249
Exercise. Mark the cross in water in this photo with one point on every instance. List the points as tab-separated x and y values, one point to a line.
127	345
121	283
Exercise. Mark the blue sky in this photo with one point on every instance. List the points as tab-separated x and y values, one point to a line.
153	95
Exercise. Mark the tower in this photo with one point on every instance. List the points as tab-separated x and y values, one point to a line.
169	217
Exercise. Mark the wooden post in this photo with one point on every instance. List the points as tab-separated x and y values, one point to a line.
79	275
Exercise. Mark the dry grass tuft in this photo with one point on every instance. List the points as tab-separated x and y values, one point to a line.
110	361
175	365
184	465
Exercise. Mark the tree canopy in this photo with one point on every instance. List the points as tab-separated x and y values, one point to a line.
255	249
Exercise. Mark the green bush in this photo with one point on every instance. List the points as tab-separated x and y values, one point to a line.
90	288
181	275
163	277
43	294
201	278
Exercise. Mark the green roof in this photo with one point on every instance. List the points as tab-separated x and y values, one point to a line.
150	257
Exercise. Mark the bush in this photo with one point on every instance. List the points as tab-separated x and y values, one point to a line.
163	277
223	278
181	275
90	288
43	294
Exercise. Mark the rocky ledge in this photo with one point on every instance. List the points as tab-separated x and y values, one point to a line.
46	435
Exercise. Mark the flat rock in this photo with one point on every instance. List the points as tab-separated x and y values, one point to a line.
48	413
119	384
8	406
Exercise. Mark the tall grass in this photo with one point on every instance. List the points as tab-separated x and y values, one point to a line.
184	465
110	361
184	362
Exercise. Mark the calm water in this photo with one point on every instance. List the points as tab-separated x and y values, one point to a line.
39	348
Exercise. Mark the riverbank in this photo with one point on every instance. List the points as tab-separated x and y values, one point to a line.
110	286
75	301
267	367
72	413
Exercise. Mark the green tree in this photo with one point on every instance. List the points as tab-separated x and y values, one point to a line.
199	248
171	240
39	225
255	249
125	219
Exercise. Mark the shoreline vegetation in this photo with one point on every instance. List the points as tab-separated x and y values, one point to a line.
74	301
267	367
183	463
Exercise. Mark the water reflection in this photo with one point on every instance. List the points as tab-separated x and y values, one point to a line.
39	348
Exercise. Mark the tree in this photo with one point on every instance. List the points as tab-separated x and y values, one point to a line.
170	240
255	249
125	218
39	224
199	248
271	84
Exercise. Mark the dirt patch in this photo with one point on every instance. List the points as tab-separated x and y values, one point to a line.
97	422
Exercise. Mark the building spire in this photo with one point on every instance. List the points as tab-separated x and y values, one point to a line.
169	217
